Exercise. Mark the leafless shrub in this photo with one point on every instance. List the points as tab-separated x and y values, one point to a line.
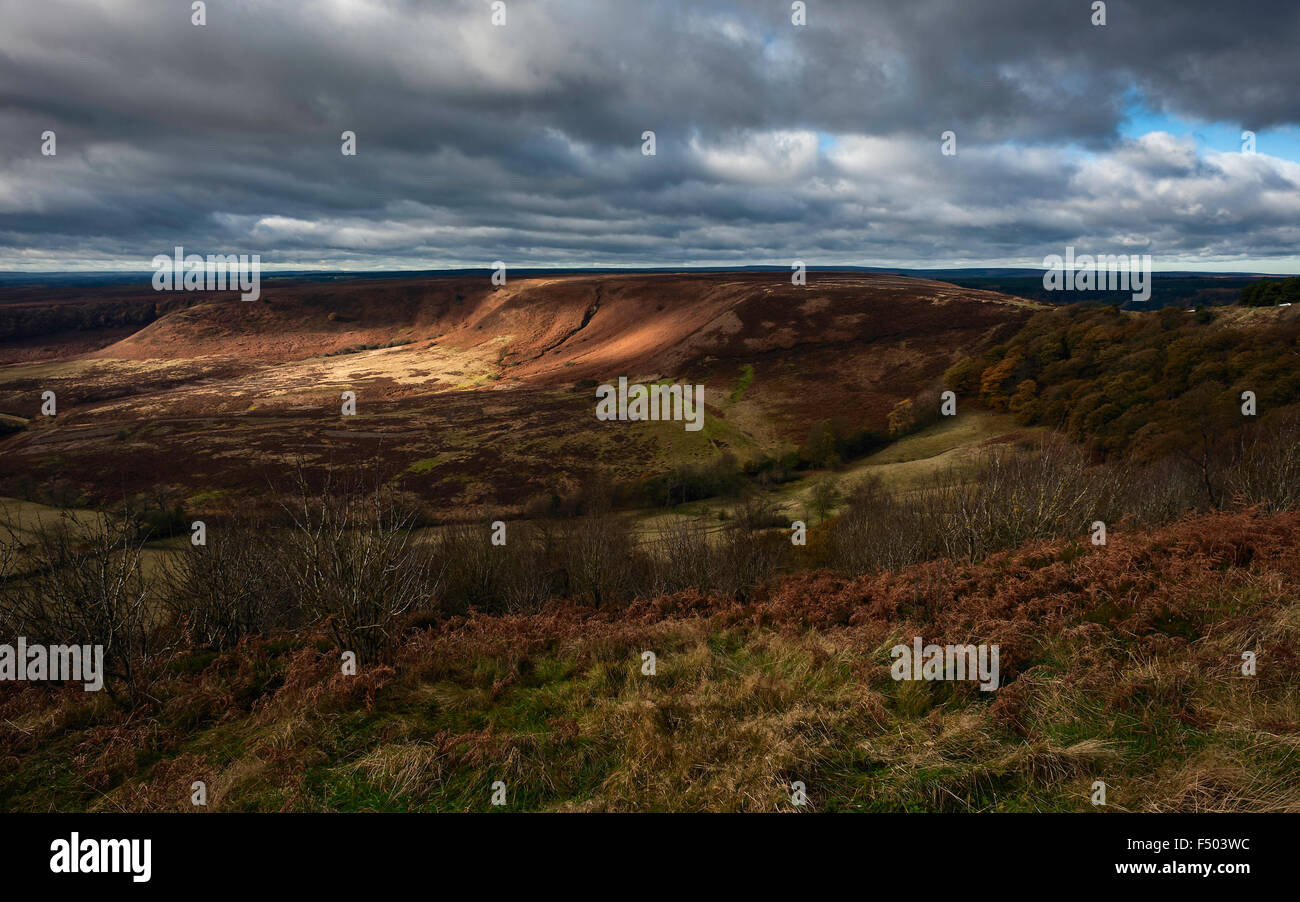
353	565
470	568
747	557
599	560
682	558
734	559
516	576
1018	497
231	587
528	578
1266	468
1155	492
10	545
880	529
83	584
1012	497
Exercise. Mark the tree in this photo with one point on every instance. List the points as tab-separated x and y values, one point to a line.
819	450
902	418
993	382
1024	403
1202	418
963	376
825	496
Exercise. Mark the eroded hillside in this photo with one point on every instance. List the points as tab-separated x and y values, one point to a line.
471	395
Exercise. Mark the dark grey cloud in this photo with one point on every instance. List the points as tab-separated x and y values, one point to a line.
522	143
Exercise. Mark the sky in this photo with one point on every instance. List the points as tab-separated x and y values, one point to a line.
774	142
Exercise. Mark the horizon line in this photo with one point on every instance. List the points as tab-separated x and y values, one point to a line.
757	267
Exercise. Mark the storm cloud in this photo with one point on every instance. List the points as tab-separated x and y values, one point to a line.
522	142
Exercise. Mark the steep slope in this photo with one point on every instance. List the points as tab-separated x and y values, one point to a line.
598	323
479	394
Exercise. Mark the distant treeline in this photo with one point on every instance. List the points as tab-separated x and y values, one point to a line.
1270	293
1167	290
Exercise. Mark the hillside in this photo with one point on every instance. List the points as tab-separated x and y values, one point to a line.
492	386
1142	385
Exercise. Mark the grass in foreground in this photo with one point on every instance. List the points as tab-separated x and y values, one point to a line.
1119	664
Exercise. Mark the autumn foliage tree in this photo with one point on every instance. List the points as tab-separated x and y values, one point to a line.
902	418
1126	383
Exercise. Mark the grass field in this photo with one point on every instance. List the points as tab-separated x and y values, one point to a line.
951	444
1135	682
